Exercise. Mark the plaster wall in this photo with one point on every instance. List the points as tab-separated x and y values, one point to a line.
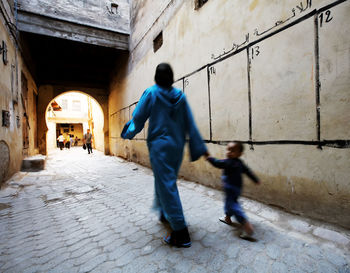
99	136
11	138
273	74
30	108
93	13
51	136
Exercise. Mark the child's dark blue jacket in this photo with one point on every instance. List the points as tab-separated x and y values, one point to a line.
232	173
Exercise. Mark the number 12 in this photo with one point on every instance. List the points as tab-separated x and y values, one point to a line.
328	17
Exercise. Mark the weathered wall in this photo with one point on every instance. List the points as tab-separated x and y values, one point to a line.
273	74
103	23
15	100
96	13
30	108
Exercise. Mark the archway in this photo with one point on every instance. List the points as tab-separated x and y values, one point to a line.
71	113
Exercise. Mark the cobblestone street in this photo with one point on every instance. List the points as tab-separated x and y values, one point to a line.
92	213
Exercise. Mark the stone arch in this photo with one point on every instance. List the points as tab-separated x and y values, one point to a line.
47	93
97	127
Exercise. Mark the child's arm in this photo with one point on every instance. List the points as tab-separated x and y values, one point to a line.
218	163
250	174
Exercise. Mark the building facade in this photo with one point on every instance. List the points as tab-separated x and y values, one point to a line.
18	98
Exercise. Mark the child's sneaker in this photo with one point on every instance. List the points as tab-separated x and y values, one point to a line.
225	220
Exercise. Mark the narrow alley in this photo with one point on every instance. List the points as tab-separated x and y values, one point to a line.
92	213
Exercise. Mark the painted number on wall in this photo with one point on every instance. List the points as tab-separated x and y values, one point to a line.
255	51
212	70
325	17
187	82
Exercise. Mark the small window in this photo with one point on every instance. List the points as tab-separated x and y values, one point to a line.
76	105
158	42
64	104
5	118
24	83
199	3
114	8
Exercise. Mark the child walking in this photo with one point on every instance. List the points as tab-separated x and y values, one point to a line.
233	168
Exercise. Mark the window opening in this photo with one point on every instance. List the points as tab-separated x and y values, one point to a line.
158	42
5	118
64	104
14	83
24	87
114	8
76	105
199	3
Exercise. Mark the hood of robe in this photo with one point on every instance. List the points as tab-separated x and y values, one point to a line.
172	97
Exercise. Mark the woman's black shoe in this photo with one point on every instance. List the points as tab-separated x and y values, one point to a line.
179	238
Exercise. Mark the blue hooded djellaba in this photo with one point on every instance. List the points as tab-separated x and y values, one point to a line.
170	122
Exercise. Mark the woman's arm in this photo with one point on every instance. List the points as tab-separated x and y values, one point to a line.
139	116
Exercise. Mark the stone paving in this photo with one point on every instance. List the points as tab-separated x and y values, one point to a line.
91	213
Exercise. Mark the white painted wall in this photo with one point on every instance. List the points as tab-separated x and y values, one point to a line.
274	74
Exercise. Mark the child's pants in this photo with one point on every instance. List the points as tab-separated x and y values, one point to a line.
232	207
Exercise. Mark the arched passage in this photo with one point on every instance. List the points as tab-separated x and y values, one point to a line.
47	93
71	114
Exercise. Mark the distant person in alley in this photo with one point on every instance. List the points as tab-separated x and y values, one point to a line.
61	141
170	121
233	167
67	141
88	141
71	140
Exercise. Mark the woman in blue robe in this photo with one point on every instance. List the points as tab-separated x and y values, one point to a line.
170	121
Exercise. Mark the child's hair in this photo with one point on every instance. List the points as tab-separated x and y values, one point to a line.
237	145
240	146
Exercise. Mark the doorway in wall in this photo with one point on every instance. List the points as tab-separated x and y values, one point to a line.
73	130
72	114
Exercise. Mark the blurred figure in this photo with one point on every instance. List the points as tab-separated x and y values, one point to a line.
88	140
233	167
170	120
61	141
71	140
67	141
